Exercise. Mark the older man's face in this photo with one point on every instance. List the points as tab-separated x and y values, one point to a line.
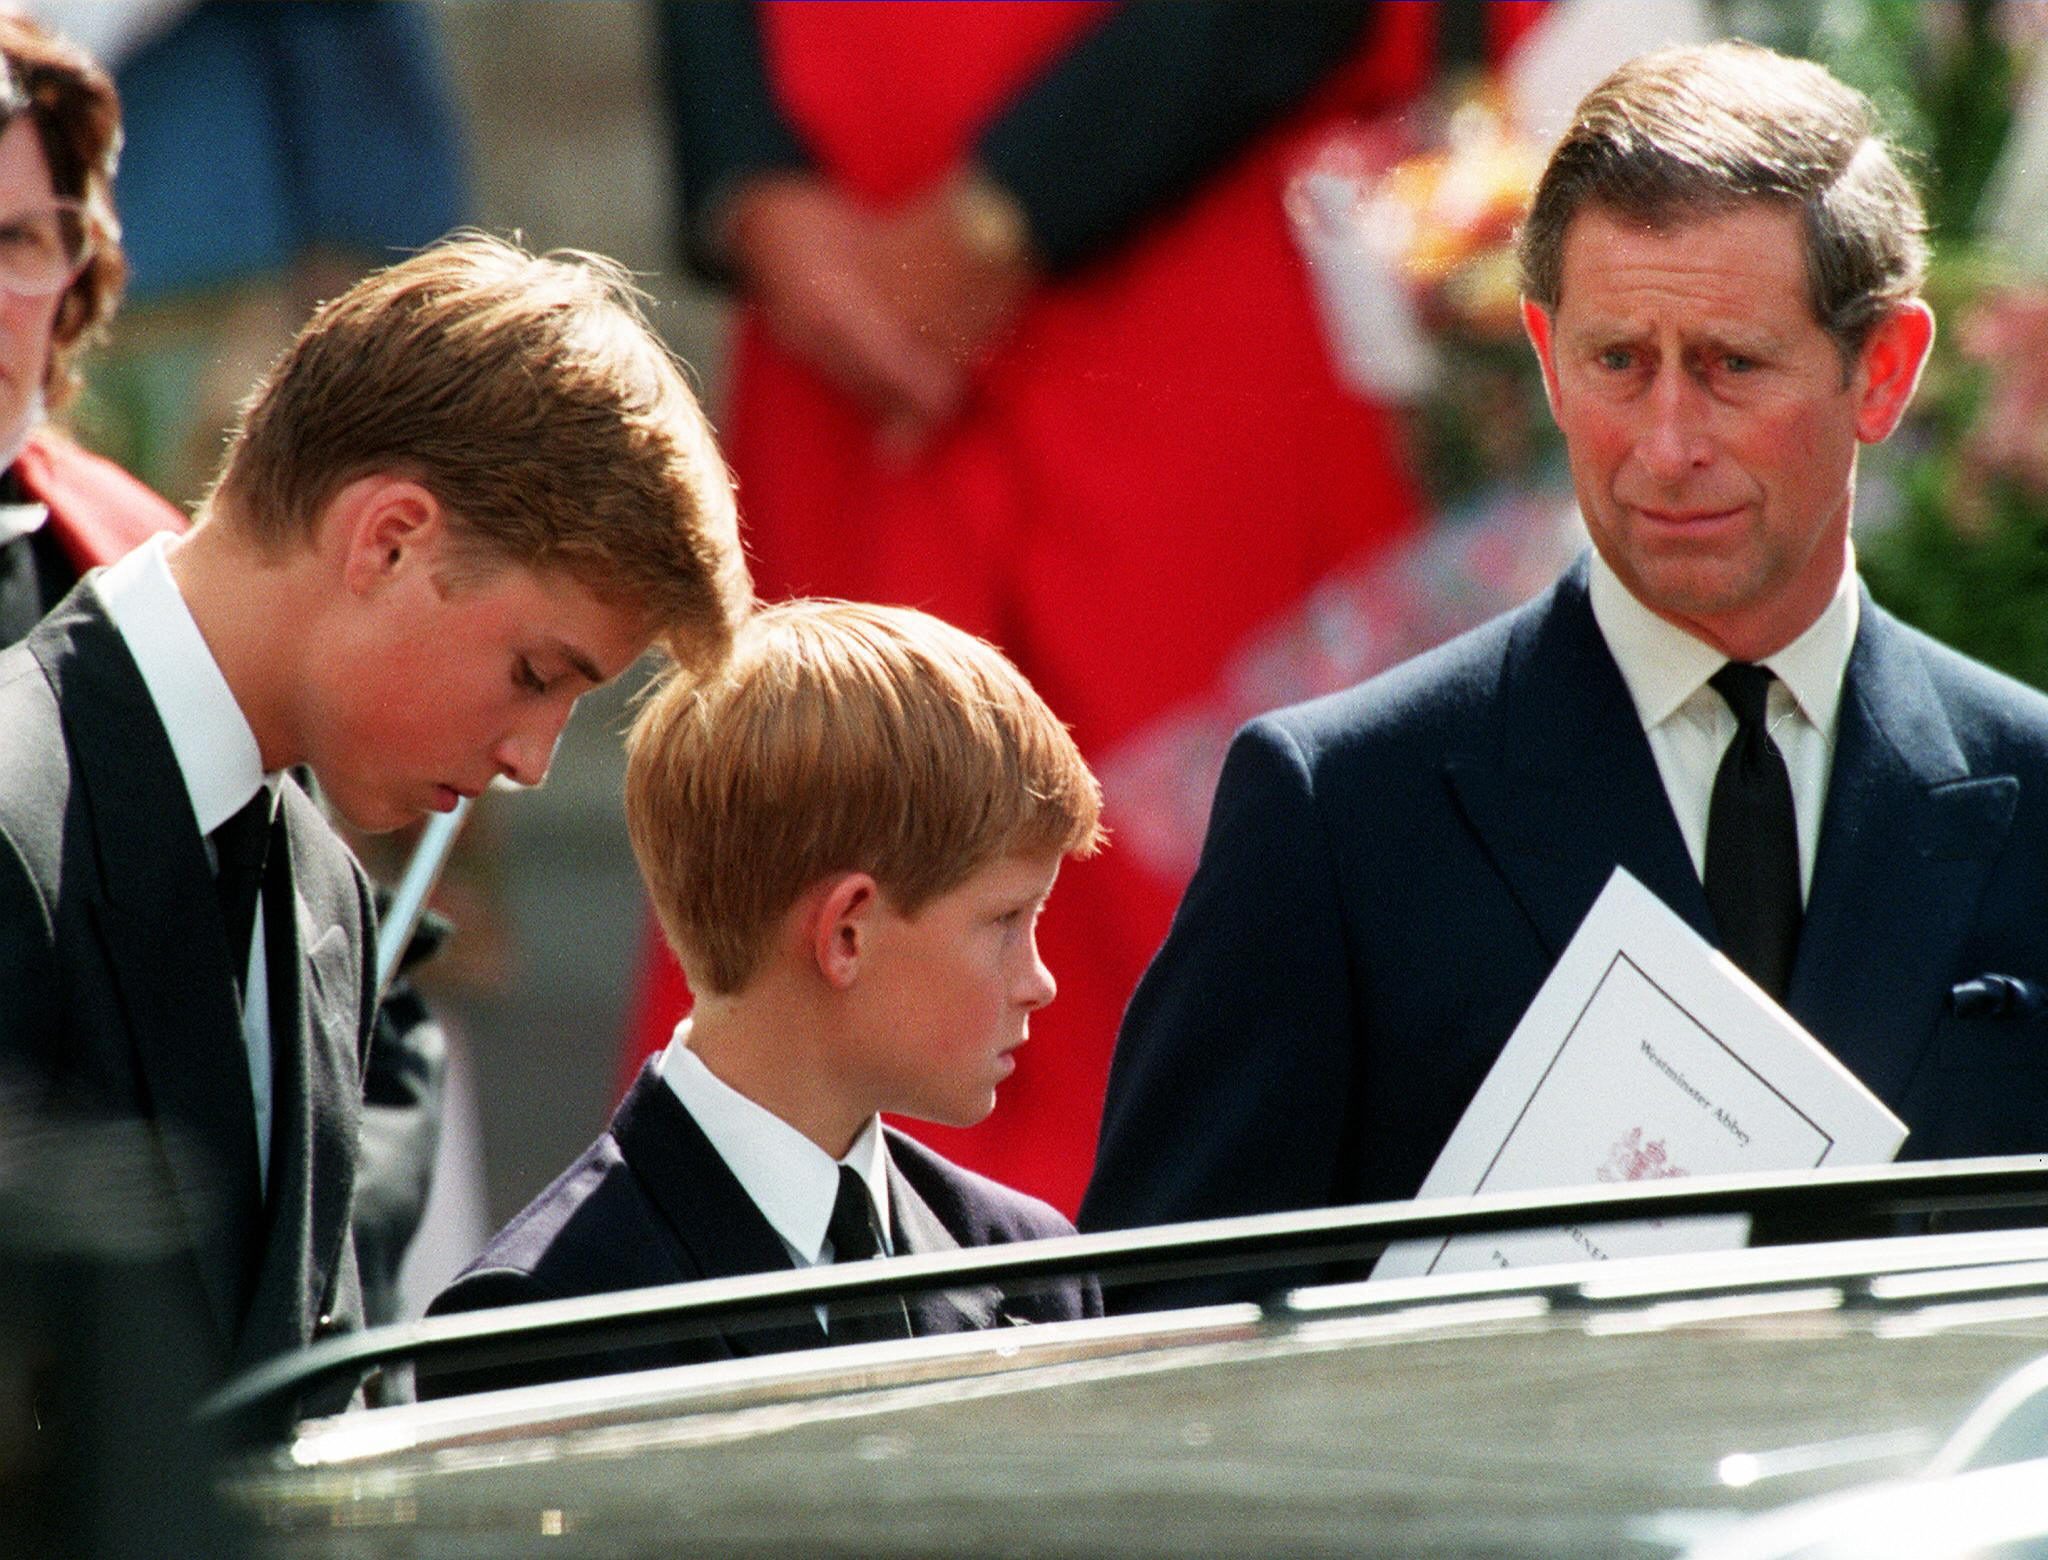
1711	431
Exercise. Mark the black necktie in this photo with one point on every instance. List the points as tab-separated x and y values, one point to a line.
240	846
1753	838
856	1237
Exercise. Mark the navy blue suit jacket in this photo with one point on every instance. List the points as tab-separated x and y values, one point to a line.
1390	873
652	1202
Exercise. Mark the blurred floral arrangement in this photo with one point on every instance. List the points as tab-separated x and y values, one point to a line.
1953	518
1956	539
1452	211
1410	230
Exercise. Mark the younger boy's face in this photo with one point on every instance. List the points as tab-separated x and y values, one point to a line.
443	689
949	993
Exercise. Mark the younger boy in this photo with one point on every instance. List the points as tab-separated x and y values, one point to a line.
475	487
848	835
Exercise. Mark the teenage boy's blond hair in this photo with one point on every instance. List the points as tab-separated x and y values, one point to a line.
529	395
841	737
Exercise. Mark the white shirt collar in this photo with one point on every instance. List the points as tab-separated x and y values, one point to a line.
1664	666
210	737
791	1180
28	517
19	520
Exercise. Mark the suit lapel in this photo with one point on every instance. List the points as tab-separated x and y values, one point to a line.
917	1230
1907	839
165	942
720	1231
1570	790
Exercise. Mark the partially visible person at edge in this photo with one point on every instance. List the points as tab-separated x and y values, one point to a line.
61	270
64	511
1721	278
1028	343
476	487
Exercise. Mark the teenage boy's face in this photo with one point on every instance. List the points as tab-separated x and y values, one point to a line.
446	688
952	990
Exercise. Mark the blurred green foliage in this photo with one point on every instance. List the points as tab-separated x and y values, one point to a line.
1951	543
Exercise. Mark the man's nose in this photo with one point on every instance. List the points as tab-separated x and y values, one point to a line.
1676	439
524	753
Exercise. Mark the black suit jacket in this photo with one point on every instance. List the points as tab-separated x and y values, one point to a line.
1391	872
652	1202
97	513
117	995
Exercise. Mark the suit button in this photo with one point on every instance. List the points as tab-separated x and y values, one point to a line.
327	1326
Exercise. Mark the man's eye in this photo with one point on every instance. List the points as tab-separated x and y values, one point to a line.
1736	363
526	677
1617	359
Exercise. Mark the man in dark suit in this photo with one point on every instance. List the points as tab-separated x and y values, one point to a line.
848	836
1720	268
476	487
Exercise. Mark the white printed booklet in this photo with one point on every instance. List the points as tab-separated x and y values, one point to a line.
1646	1054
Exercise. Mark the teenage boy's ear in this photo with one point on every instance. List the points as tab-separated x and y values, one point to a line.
841	926
382	525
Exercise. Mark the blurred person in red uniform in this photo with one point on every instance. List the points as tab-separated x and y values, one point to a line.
1027	343
62	511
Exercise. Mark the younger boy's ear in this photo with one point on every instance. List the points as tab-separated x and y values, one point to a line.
842	925
382	524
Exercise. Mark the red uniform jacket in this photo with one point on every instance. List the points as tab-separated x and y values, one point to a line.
97	511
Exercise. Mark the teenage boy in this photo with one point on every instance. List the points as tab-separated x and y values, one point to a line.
848	835
476	487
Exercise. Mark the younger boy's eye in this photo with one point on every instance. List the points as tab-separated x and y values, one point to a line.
526	677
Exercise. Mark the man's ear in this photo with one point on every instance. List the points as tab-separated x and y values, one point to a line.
381	526
1536	321
840	926
1889	368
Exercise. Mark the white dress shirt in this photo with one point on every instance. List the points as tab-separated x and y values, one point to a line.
1689	725
19	520
791	1180
215	748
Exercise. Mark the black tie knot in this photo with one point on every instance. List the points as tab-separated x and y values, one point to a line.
1752	855
1746	686
855	1233
240	848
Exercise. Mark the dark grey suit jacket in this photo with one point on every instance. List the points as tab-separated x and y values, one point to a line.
117	995
1391	872
652	1202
